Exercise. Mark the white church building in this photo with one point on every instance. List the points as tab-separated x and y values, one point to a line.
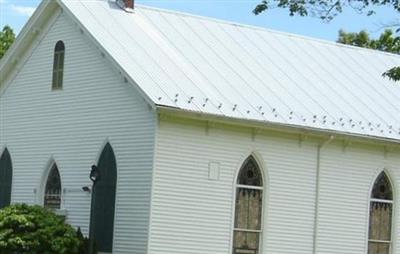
209	136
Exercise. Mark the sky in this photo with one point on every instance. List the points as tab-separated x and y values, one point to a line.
17	12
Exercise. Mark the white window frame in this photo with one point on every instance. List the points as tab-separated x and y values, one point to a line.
236	186
42	187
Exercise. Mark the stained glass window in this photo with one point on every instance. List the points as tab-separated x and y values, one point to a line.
250	174
382	188
52	194
248	209
58	66
380	216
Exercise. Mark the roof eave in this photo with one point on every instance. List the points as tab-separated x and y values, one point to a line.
280	127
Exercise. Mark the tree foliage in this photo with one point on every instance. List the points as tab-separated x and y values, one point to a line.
387	41
324	9
7	37
35	230
328	9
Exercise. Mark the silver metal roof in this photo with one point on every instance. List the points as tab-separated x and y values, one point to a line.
215	67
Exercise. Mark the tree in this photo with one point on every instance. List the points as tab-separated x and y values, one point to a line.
7	37
35	230
387	41
328	9
324	9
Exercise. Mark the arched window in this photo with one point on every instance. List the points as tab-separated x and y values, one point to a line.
5	178
58	66
380	216
248	210
52	191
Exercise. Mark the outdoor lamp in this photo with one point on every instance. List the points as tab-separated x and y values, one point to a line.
94	174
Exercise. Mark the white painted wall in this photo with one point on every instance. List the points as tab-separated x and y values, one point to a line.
346	178
71	127
192	214
392	165
189	213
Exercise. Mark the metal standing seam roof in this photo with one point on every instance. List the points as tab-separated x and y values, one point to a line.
214	67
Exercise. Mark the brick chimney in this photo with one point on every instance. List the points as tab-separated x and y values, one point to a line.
129	4
126	5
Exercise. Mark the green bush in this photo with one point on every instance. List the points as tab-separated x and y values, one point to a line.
35	230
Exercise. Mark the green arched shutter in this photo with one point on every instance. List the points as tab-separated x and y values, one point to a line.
5	179
103	201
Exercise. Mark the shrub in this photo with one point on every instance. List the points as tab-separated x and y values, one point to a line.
36	230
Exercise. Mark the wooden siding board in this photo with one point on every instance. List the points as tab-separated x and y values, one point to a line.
392	165
72	125
191	214
346	176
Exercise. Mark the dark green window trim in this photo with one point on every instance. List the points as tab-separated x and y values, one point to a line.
5	178
103	201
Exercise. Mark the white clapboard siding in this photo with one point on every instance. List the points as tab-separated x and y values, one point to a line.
392	166
71	127
192	214
346	177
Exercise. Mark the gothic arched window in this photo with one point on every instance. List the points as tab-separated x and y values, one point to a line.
58	66
380	216
248	209
52	192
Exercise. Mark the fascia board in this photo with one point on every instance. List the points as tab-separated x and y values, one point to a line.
280	127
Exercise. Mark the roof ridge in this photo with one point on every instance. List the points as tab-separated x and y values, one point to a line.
265	29
350	81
